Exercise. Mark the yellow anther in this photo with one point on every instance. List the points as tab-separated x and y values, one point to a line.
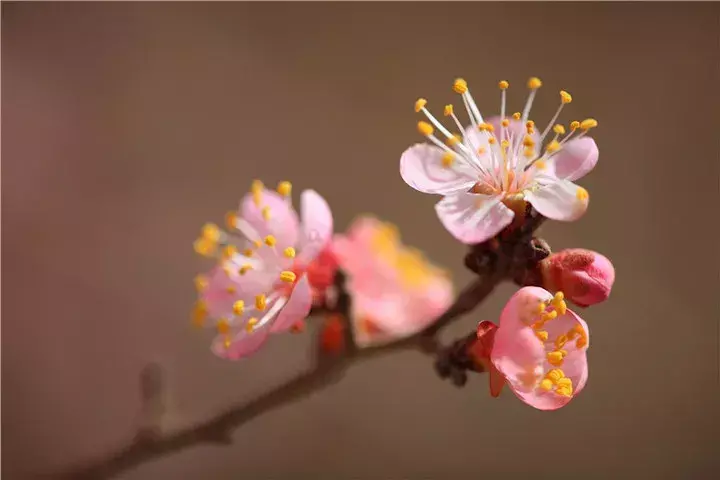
287	276
588	123
244	269
582	194
199	314
265	213
261	302
454	140
201	283
229	251
227	269
231	220
539	324
560	341
574	125
503	84
448	110
555	358
223	326
565	392
251	324
516	115
289	252
239	307
270	241
565	97
541	307
211	232
505	144
530	124
505	122
425	128
284	188
248	252
547	316
460	86
448	159
231	289
555	375
482	151
486	127
542	335
559	297
257	243
581	342
256	189
546	385
528	141
534	83
540	164
492	140
226	342
553	146
205	247
565	383
559	129
420	104
529	152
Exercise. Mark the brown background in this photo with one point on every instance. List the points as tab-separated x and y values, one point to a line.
126	126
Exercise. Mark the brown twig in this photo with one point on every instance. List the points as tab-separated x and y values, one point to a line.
502	260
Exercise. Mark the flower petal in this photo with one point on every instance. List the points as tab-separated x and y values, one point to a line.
421	166
473	218
297	308
282	223
225	287
317	225
576	158
560	200
243	344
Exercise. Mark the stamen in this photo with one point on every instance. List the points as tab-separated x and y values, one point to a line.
239	307
503	84
555	358
287	276
448	159
211	232
546	385
289	252
284	188
555	375
565	98
251	324
231	290
260	302
229	251
199	313
533	84
588	123
516	116
201	283
205	247
266	213
270	241
420	107
448	111
223	326
542	335
244	269
256	189
230	220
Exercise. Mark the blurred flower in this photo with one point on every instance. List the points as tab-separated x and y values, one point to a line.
539	349
488	175
395	291
259	285
586	277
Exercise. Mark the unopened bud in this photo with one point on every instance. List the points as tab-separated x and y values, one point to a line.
584	276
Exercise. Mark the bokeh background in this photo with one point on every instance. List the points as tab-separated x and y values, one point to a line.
127	126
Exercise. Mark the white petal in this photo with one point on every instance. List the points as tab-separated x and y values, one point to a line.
561	200
421	167
473	218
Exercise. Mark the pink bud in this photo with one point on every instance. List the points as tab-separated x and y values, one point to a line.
584	276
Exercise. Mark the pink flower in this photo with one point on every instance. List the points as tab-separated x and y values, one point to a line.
539	349
259	286
586	277
487	177
395	291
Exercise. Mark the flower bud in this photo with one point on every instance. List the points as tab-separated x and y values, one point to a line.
584	276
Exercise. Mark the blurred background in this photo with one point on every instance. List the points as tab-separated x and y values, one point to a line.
127	126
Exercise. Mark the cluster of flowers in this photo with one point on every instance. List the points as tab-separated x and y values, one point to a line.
274	265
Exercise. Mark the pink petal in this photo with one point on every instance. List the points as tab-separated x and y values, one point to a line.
242	344
297	307
283	223
560	200
473	218
576	158
225	288
317	225
421	167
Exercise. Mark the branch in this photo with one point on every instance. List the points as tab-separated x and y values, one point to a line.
500	263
